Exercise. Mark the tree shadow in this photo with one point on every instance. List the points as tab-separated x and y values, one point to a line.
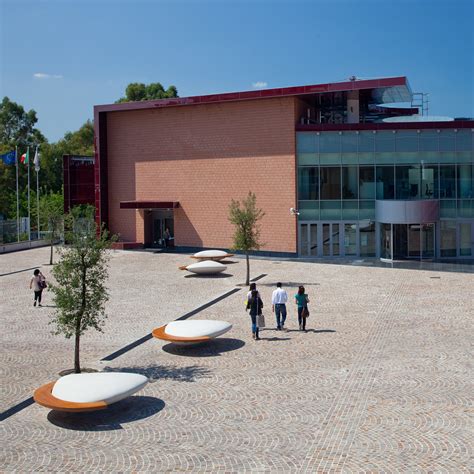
312	330
212	348
211	276
48	306
160	372
125	411
317	331
294	284
273	339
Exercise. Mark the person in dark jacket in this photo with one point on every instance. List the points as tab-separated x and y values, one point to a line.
255	305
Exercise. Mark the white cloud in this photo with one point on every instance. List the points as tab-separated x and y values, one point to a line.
259	85
42	75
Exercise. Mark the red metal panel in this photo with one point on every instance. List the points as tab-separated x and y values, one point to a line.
384	126
264	93
149	204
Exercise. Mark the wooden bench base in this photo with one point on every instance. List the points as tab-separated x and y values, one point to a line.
216	259
160	333
44	396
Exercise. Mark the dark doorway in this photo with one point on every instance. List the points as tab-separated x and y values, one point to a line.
159	229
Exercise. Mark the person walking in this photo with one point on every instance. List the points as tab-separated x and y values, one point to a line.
38	284
255	305
302	300
279	300
253	286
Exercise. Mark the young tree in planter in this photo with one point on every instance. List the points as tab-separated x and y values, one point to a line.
80	291
52	215
245	217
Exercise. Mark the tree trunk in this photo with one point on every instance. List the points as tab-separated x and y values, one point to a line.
77	365
247	281
51	253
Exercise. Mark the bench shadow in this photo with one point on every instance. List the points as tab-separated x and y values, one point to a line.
312	330
272	339
291	284
125	411
160	372
212	348
211	276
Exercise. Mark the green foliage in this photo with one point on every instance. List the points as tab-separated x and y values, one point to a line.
17	127
245	217
80	291
137	91
52	217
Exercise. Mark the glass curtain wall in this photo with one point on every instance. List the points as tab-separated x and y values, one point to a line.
342	174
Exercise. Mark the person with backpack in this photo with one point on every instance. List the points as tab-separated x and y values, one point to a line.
302	300
38	284
255	305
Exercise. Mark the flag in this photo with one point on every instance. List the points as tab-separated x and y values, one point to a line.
36	161
25	157
9	158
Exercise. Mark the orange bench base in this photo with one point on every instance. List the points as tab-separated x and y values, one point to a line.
213	258
44	396
159	333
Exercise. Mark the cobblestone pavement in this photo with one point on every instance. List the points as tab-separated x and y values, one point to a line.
381	382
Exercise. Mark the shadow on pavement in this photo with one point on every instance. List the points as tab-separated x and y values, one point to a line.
131	409
210	349
312	330
212	276
160	372
275	339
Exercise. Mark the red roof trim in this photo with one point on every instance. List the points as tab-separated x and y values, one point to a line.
384	126
149	204
258	94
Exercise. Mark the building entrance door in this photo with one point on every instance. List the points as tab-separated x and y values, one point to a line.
407	241
320	239
156	225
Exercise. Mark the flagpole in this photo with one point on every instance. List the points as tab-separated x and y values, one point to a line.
29	214
37	168
17	198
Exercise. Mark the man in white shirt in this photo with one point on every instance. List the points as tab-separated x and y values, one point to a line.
279	300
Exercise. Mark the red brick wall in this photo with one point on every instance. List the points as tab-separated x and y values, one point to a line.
202	156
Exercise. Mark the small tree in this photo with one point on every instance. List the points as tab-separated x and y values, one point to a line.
245	217
80	293
52	215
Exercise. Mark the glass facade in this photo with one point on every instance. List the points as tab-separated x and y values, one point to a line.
342	174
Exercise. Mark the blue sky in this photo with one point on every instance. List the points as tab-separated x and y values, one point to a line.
88	51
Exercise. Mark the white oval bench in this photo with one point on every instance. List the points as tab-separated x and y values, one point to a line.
207	267
191	332
88	392
212	255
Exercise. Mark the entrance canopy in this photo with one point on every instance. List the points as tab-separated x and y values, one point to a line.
149	204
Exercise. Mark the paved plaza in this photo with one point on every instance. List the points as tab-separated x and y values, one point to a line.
381	382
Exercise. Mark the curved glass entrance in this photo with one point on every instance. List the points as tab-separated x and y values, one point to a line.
407	241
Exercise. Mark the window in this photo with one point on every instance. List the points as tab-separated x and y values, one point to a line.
448	238
447	178
349	182
367	182
330	182
465	181
308	183
385	185
330	142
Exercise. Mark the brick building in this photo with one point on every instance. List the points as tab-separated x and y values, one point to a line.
366	179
